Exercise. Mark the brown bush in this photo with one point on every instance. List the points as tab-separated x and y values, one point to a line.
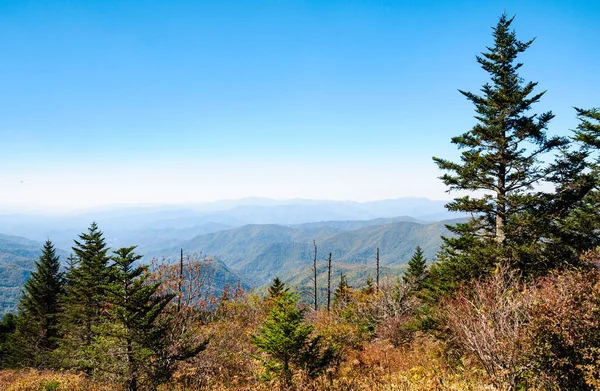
228	360
540	335
566	329
368	309
491	321
544	334
395	330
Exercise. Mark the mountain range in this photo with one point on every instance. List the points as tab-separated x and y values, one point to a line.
258	253
250	241
17	259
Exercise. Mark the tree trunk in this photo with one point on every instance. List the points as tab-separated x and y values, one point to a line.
500	236
501	200
377	272
287	373
315	273
500	217
131	383
329	285
180	293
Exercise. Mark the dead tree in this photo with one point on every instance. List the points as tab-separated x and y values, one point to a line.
179	292
315	273
377	270
329	284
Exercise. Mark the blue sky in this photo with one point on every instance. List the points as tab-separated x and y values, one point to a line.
105	102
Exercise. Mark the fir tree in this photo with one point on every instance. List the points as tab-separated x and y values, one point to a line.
369	288
341	296
133	326
37	330
503	160
85	302
417	266
43	290
8	325
69	270
588	130
277	288
578	230
287	340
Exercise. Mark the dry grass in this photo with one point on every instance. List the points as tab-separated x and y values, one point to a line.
419	366
32	380
377	366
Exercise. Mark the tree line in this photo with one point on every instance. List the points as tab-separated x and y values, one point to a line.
106	315
514	288
533	197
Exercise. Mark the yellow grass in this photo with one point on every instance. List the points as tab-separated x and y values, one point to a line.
32	380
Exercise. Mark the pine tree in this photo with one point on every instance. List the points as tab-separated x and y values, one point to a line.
341	296
287	340
84	304
503	160
588	130
417	266
70	267
277	288
37	329
369	288
43	290
8	324
133	326
578	229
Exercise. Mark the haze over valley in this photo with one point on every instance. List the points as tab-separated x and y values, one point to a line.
249	240
299	195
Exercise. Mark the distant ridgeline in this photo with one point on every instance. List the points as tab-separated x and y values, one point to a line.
17	259
254	254
258	253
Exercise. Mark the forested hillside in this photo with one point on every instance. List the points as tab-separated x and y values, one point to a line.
254	254
261	252
17	259
507	298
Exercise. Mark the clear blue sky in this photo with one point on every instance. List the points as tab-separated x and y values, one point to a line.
107	101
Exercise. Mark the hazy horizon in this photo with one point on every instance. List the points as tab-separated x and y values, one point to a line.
242	201
184	102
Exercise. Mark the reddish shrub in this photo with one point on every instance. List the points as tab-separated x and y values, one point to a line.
490	320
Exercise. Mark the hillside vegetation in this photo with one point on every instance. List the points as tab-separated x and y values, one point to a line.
17	259
510	302
261	252
254	254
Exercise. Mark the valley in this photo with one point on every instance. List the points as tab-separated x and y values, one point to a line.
249	241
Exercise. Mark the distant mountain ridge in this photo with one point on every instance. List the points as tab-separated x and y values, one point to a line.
17	259
252	239
18	256
261	252
122	224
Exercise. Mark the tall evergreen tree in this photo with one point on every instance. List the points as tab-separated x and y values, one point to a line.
85	300
134	328
43	289
417	267
581	227
8	324
503	161
37	329
588	130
